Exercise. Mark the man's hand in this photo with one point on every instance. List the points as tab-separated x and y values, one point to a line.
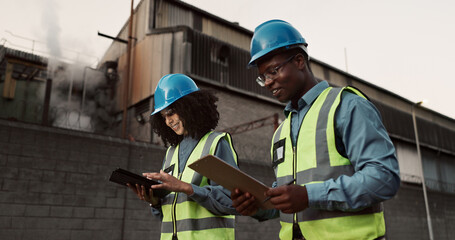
289	198
244	203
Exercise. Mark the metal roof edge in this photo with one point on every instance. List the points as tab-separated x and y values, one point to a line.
379	88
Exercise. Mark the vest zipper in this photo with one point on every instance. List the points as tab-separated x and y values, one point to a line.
174	203
294	174
295	224
294	157
174	215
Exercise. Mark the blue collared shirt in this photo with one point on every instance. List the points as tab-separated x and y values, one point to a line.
362	138
213	197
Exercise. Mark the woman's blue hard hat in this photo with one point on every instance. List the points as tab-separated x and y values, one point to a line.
170	88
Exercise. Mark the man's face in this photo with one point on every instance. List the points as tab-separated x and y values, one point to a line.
285	83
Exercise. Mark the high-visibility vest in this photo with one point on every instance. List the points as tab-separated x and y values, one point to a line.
315	159
183	218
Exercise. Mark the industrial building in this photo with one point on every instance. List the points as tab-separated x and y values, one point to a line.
71	145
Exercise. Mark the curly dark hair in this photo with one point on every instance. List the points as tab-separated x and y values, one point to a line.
198	113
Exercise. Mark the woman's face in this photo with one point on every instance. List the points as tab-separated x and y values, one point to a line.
173	121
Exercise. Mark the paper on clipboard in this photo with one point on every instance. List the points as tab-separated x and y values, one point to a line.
229	177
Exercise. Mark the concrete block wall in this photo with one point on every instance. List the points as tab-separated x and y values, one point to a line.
248	228
236	109
54	185
406	218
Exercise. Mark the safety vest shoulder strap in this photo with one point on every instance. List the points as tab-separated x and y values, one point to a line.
208	139
208	148
169	154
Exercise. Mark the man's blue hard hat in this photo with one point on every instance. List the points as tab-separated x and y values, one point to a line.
170	88
272	35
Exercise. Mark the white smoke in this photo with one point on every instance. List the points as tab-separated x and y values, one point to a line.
80	97
51	27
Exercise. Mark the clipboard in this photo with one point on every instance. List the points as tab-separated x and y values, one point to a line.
122	177
229	177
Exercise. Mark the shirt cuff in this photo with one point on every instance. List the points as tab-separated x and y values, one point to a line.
199	193
317	196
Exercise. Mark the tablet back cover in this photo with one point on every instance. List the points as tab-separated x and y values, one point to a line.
229	177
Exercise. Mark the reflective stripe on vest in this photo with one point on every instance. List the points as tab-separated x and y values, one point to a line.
184	217
309	163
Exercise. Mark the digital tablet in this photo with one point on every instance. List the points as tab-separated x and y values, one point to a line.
122	177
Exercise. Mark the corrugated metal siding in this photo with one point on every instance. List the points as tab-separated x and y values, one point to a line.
408	162
400	123
220	31
233	72
169	15
395	121
152	60
141	20
13	53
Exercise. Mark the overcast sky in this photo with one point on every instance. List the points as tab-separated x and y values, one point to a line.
404	46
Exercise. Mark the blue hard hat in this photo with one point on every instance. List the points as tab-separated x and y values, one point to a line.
272	35
170	88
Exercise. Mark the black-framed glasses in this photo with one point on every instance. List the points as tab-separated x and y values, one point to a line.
271	74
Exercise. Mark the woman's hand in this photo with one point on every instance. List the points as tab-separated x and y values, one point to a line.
244	203
169	183
144	194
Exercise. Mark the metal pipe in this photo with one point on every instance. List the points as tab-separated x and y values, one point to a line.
430	227
84	86
127	79
70	90
113	38
47	99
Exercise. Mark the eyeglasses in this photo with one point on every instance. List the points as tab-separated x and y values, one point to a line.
271	74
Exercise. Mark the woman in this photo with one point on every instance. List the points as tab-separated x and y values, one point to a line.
196	208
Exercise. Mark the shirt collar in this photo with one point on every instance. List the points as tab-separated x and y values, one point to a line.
307	98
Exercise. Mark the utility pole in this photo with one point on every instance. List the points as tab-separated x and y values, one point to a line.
126	86
424	187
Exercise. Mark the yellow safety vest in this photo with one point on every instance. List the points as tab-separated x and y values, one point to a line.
315	159
183	218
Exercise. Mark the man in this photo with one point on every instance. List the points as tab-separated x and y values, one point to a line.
333	159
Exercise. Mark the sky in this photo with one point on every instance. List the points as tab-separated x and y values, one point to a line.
404	46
